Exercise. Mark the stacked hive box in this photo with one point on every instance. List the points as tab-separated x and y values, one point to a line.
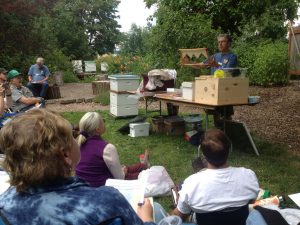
121	102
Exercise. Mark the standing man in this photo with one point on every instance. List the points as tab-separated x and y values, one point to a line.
5	92
225	58
22	97
221	60
38	78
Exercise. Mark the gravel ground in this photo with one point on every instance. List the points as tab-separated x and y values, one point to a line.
276	118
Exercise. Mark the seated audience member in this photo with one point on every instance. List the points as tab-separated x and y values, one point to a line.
220	187
22	97
38	75
5	92
99	159
43	190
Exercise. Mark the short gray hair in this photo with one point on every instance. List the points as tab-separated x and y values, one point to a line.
40	60
227	36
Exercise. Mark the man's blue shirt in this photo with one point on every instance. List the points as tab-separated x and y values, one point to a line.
38	73
225	60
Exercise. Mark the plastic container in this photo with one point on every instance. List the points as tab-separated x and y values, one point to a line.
235	72
193	122
139	129
275	200
253	99
188	90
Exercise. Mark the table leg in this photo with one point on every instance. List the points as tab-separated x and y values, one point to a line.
224	120
160	108
146	106
206	120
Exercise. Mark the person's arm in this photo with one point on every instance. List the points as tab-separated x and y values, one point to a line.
182	209
29	100
2	104
111	159
180	214
47	74
8	96
30	73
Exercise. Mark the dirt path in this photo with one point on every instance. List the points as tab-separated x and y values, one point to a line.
276	118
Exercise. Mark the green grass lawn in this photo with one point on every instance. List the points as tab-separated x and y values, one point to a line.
277	170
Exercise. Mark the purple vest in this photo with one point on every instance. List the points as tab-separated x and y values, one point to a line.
92	167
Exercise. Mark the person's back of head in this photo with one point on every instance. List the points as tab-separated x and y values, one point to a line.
215	146
35	145
89	125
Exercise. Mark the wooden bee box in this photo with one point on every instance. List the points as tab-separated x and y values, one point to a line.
221	91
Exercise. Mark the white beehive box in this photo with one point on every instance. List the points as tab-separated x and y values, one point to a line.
124	110
188	90
123	99
139	129
120	83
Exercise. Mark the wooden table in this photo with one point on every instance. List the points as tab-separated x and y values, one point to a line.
176	99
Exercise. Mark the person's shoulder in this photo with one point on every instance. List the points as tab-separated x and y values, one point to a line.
243	170
197	176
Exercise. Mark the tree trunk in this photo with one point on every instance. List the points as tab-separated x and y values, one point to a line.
53	92
100	87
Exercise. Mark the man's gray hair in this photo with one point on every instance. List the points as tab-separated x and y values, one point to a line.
40	60
227	36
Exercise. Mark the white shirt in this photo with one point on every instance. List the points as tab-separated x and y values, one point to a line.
217	189
111	159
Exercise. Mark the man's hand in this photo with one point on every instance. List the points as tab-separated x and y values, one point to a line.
211	62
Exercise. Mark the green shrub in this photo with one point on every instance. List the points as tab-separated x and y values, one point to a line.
70	77
267	62
103	98
121	64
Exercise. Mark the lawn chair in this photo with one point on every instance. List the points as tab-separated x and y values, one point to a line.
225	217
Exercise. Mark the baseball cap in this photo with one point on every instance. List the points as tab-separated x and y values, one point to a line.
2	70
12	74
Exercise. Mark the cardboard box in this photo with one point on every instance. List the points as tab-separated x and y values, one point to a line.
174	126
188	90
221	91
139	129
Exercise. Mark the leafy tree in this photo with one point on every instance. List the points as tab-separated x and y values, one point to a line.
232	16
178	29
135	42
20	36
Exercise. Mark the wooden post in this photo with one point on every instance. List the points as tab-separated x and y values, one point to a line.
53	92
100	87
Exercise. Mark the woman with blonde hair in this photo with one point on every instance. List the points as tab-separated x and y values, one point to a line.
41	155
100	159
